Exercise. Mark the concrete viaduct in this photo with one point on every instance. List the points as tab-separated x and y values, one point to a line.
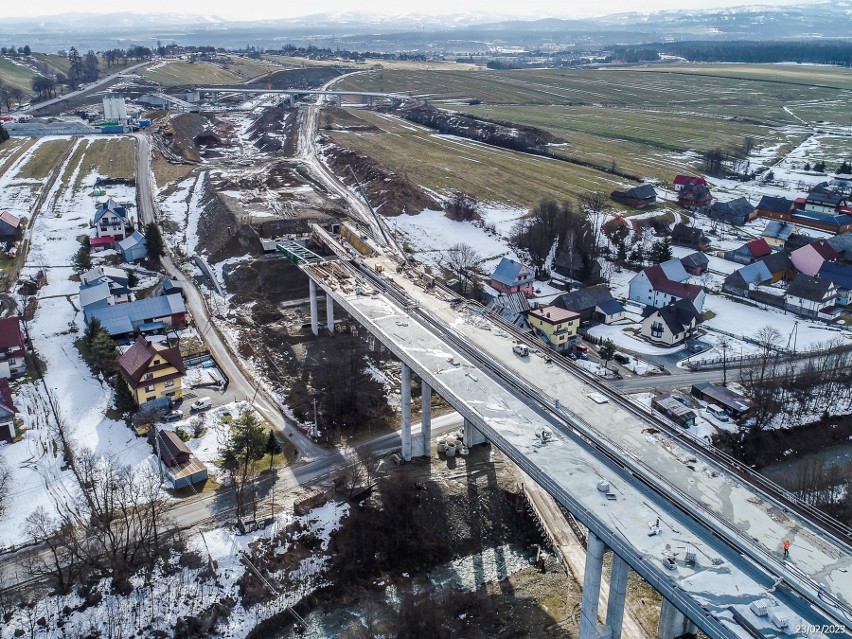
293	94
707	540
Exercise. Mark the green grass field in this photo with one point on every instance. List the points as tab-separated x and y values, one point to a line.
178	73
447	164
112	157
44	158
15	75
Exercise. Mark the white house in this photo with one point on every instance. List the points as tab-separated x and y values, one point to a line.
110	221
664	283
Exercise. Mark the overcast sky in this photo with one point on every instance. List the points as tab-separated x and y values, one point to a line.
255	9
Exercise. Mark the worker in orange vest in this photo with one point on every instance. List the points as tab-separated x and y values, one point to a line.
786	548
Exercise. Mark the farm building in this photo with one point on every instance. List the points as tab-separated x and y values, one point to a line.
736	405
778	208
637	197
182	468
148	315
690	237
674	410
736	212
695	263
749	252
134	247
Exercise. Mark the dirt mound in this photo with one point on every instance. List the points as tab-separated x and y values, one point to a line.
510	136
273	279
388	192
220	233
186	127
271	131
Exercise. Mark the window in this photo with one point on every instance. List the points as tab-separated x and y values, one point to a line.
157	362
149	388
148	376
657	329
169	382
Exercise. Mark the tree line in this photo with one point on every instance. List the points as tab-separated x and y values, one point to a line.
835	52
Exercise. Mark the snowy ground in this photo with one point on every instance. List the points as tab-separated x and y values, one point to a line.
82	399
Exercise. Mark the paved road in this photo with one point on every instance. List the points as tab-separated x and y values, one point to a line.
239	380
94	86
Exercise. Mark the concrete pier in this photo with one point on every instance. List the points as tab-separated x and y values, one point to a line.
617	597
329	313
314	318
426	418
472	436
406	412
673	623
595	549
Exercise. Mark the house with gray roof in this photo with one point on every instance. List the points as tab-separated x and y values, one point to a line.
777	232
143	316
809	296
593	303
690	237
736	212
695	263
671	324
134	247
741	281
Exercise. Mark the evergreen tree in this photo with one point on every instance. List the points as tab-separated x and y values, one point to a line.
93	328
82	259
75	68
273	447
621	251
845	168
661	251
90	67
104	352
637	254
606	351
154	240
4	134
123	401
132	279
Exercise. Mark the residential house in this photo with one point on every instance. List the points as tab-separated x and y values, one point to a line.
671	324
842	244
556	326
824	201
681	181
694	195
152	371
182	468
172	286
593	303
98	244
134	247
145	316
10	226
117	275
94	280
809	259
777	232
695	263
13	347
749	252
637	197
736	212
736	405
834	222
512	277
663	283
778	208
690	237
7	412
674	410
841	276
511	308
797	241
110	221
95	295
809	296
779	265
741	281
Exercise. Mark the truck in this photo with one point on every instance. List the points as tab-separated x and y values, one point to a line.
520	350
112	128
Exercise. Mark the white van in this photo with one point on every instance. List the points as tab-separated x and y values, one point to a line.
717	412
202	403
520	350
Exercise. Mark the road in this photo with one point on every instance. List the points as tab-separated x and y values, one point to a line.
216	343
94	86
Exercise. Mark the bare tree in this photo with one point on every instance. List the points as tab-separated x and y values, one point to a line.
462	260
5	479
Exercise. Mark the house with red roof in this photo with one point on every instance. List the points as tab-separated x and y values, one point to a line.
809	259
13	348
681	181
749	252
555	325
152	371
10	226
661	284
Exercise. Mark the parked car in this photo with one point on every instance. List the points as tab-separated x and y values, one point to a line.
202	403
717	412
173	416
621	358
520	350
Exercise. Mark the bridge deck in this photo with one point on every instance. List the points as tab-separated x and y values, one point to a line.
570	470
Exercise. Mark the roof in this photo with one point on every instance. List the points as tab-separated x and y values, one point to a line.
775	204
657	276
171	446
796	241
824	249
690	234
839	274
10	333
508	271
554	314
584	298
778	229
120	318
137	360
110	206
758	248
824	199
610	307
674	270
694	259
689	179
739	208
809	288
131	241
94	293
777	262
755	273
11	220
829	219
641	192
101	241
842	243
117	275
678	315
724	396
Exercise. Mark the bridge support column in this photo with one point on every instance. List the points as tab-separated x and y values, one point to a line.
339	100
329	313
595	549
314	318
406	412
673	623
472	436
369	100
426	418
617	595
292	100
